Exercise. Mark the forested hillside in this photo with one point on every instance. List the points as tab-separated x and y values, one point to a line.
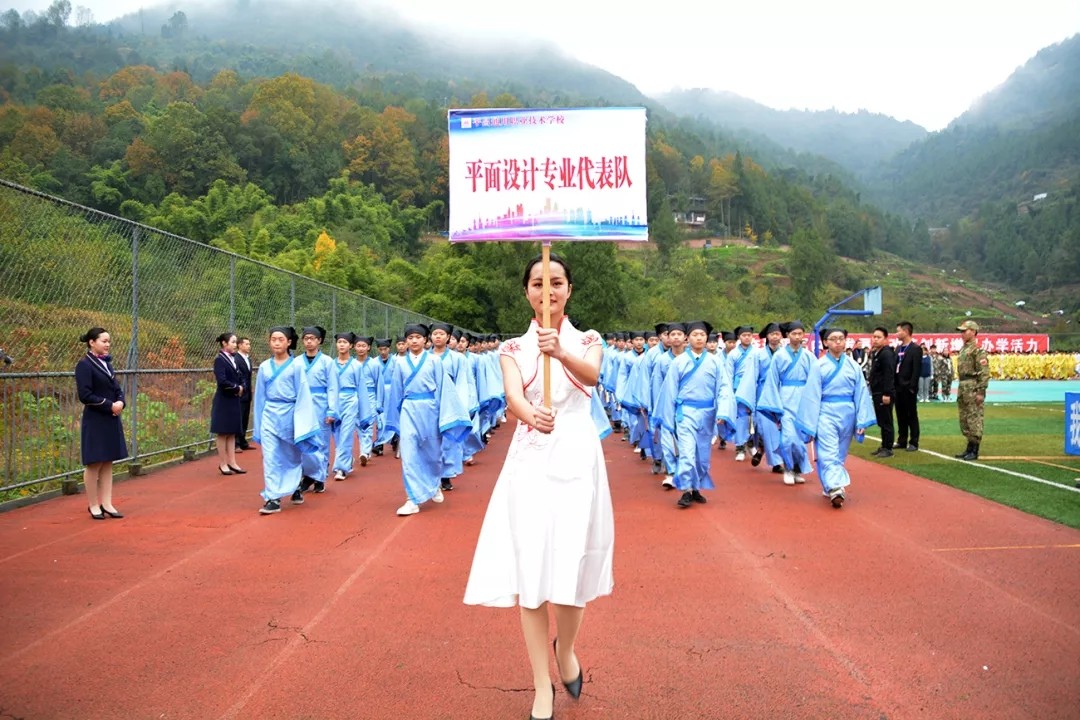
1001	182
265	149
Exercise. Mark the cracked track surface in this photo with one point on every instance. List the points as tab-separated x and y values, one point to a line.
763	603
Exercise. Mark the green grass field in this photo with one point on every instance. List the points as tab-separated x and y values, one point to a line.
1023	438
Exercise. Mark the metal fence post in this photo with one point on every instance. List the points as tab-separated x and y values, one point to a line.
232	293
133	348
292	301
333	313
386	320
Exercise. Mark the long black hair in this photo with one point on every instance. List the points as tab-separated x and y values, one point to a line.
539	258
224	338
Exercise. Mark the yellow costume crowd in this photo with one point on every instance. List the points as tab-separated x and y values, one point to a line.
1045	366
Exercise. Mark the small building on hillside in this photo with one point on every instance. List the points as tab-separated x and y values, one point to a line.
694	215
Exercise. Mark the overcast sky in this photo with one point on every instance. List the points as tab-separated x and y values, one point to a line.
919	60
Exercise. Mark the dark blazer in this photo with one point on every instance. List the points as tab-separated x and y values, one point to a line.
225	412
102	432
882	374
907	376
244	368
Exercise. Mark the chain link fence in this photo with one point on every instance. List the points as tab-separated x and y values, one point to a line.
163	298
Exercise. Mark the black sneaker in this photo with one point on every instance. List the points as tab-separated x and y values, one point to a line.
320	487
306	483
298	497
377	450
445	484
778	469
723	444
755	458
271	506
912	448
885	453
697	497
685	500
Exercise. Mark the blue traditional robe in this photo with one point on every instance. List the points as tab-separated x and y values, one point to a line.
322	380
355	412
474	442
382	435
425	410
696	394
765	427
782	399
664	445
285	424
845	406
625	394
453	454
371	380
743	375
640	395
490	377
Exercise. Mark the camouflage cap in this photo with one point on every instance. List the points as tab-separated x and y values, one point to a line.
968	325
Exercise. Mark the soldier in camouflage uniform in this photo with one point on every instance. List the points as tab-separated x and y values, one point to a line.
943	375
973	370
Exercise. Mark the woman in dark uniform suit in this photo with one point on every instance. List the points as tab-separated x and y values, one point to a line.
102	432
226	413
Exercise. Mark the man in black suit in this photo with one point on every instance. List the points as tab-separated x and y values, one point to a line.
882	377
908	370
243	365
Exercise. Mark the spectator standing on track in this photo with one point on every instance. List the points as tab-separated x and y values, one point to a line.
908	369
882	381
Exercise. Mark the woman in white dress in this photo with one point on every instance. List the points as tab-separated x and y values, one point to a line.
548	535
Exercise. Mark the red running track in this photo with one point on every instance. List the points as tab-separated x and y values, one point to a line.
914	601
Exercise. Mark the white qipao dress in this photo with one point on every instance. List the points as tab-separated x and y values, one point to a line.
549	532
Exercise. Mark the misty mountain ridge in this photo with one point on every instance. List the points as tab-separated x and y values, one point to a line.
370	39
857	141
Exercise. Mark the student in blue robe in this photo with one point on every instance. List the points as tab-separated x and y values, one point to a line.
473	445
625	394
846	410
695	396
371	381
639	394
495	406
453	454
792	370
766	429
724	352
354	410
322	380
285	420
384	358
665	440
424	409
743	370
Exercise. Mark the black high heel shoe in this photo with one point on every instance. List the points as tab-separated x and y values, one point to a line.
236	470
574	686
95	515
221	469
112	513
552	715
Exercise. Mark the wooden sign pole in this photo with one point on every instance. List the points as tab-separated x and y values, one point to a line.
546	267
